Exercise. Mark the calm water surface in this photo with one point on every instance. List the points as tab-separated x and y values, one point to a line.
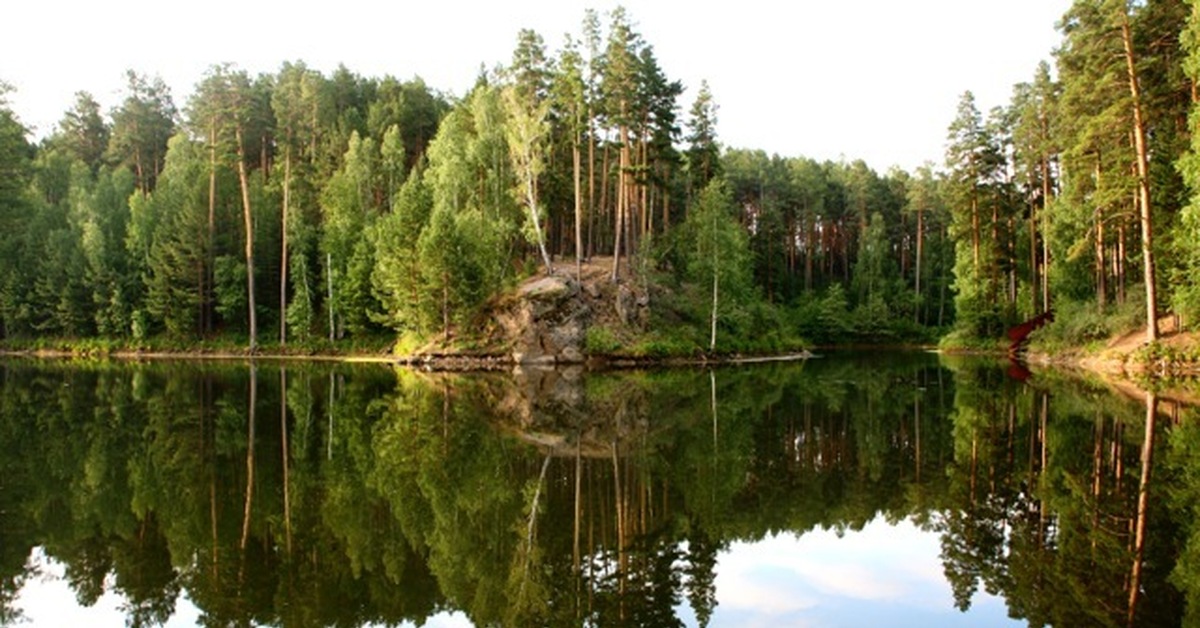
852	490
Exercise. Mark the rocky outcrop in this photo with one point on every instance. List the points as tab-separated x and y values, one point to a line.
546	321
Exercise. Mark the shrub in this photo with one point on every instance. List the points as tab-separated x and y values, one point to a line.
601	340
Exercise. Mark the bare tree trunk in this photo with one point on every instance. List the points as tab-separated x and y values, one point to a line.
917	264
620	506
975	226
1119	257
530	528
250	457
917	440
249	224
1139	542
712	402
329	292
446	307
1143	172
283	229
1045	234
208	446
712	343
578	500
283	432
1101	274
531	197
143	186
575	159
666	194
1033	256
620	215
808	255
206	310
591	201
942	281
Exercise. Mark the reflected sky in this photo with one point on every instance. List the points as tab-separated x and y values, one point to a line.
47	600
883	574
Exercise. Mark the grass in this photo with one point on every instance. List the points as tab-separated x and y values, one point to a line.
230	344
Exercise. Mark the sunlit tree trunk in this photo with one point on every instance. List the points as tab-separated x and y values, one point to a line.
577	172
917	263
248	218
283	230
209	430
917	438
1034	292
329	294
1139	539
578	501
206	309
1045	234
1143	173
712	341
283	436
618	227
249	456
974	218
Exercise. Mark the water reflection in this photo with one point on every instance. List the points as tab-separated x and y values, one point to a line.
318	495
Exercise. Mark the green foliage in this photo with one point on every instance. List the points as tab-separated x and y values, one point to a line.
396	280
460	260
702	158
1081	323
229	277
600	341
302	317
141	128
666	344
167	242
110	224
718	260
1187	279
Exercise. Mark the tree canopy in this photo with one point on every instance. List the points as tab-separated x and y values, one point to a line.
342	206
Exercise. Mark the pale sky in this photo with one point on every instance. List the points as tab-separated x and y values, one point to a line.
884	574
876	80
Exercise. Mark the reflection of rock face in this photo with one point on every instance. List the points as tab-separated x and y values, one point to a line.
551	409
547	322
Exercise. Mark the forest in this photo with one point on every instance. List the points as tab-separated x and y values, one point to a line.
306	208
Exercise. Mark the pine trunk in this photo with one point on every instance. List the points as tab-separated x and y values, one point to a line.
283	229
575	159
917	263
1143	168
206	310
249	225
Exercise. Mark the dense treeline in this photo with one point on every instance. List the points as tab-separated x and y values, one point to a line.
303	205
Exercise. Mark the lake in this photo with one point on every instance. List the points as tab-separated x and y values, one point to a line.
855	489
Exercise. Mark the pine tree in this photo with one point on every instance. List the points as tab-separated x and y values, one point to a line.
141	127
703	152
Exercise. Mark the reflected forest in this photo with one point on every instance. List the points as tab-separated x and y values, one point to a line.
307	494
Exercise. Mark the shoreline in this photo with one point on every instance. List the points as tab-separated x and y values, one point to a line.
1119	372
448	362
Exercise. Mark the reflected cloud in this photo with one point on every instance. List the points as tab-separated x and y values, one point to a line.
48	600
881	573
